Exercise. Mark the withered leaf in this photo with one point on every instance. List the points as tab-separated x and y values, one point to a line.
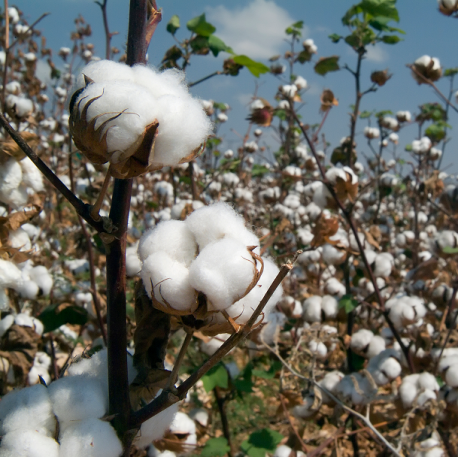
324	228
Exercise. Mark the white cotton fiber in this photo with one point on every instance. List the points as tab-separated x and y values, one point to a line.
31	176
172	237
329	306
20	239
242	310
29	408
312	309
10	176
78	398
209	224
360	340
106	70
23	319
10	275
183	424
5	324
155	428
16	198
210	347
90	437
40	275
171	281
168	82
28	442
222	271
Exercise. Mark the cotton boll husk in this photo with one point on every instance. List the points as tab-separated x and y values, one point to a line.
172	237
329	306
171	280
312	309
10	275
89	437
155	428
29	408
211	223
222	271
183	127
31	176
78	398
360	340
42	278
27	442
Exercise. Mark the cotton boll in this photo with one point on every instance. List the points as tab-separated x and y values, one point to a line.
427	381
211	223
10	177
31	176
332	255
171	281
168	82
201	416
5	324
210	347
90	437
408	392
29	408
376	346
312	309
155	428
275	323
27	442
318	349
384	367
106	70
153	451
20	239
10	275
426	396
451	376
22	319
222	271
78	398
334	287
383	264
330	382
360	340
42	278
329	306
283	450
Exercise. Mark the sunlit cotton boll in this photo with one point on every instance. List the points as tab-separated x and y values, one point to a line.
90	437
222	271
27	442
170	280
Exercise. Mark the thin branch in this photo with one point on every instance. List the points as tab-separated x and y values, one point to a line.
176	367
108	35
81	208
205	78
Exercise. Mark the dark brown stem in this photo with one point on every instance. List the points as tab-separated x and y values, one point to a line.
221	402
167	398
194	191
176	367
53	357
81	208
108	35
205	78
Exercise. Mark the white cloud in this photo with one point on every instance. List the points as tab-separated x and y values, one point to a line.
257	29
244	99
376	54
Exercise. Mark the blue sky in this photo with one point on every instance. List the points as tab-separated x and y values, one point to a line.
255	28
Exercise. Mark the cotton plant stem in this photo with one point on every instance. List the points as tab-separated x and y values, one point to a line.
304	446
176	367
99	202
221	403
108	35
169	397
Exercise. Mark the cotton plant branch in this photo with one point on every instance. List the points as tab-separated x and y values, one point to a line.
363	418
108	34
81	208
173	395
349	219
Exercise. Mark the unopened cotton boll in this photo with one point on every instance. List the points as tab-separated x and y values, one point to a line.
29	408
78	398
28	442
170	280
90	437
222	271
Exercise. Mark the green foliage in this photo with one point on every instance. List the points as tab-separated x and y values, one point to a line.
200	26
217	45
295	29
431	112
327	64
258	170
216	446
216	376
451	71
335	38
255	68
437	131
173	25
383	113
348	303
244	383
366	114
270	373
450	250
54	316
261	442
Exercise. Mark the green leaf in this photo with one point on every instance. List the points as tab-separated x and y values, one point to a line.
200	26
173	25
54	316
220	106
451	71
450	250
436	132
383	113
217	45
365	114
261	442
216	446
200	44
327	64
255	68
298	25
216	376
380	23
348	303
243	382
258	170
281	114
384	8
390	39
335	38
270	374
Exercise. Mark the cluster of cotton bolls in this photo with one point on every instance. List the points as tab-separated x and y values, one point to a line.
141	96
73	407
211	252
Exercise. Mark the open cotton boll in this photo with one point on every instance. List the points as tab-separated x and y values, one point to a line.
21	106
332	255
28	442
171	281
104	70
172	237
155	428
5	324
90	437
329	306
330	382
22	319
40	275
384	367
223	271
183	127
20	239
210	347
318	349
360	340
29	408
312	309
78	398
153	451
31	176
211	223
334	287
376	346
10	176
283	450
10	275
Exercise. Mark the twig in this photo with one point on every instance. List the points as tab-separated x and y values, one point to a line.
176	367
205	78
108	35
365	420
221	402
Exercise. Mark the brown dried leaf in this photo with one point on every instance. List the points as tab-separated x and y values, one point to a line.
371	240
327	100
12	149
324	228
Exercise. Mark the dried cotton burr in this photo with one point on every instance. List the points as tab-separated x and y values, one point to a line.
137	119
426	68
